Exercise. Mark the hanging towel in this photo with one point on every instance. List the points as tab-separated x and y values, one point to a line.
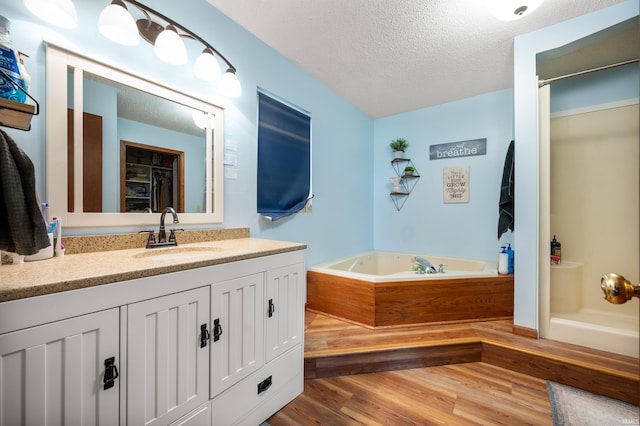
506	205
22	227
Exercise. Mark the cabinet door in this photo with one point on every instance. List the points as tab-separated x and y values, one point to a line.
285	309
167	366
237	335
53	373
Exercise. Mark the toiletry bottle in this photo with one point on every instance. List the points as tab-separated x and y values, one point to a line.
10	66
510	258
503	262
556	252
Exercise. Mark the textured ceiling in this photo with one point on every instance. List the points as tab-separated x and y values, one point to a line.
391	56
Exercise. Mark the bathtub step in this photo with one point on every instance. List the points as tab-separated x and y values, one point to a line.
335	348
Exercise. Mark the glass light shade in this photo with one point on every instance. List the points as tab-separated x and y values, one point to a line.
61	13
206	67
170	48
510	10
230	85
116	24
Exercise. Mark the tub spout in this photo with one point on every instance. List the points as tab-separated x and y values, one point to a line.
617	289
424	266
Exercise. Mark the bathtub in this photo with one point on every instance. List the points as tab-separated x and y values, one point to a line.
379	289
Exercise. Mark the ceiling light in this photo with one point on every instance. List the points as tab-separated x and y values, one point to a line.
509	10
116	24
61	13
170	48
166	35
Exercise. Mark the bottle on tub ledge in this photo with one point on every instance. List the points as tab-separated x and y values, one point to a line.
503	261
510	256
556	251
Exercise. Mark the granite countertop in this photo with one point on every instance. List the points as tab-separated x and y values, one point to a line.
81	270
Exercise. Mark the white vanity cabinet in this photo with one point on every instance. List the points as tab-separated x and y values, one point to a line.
167	356
214	345
55	373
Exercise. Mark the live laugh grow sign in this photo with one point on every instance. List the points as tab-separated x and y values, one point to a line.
456	184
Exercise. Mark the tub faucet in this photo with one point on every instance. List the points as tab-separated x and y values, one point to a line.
424	266
162	235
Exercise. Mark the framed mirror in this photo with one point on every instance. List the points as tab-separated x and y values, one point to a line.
121	148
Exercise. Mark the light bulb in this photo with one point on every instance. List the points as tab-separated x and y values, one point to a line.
230	85
170	48
61	13
116	24
206	67
510	10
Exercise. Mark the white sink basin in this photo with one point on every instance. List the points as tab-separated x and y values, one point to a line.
178	253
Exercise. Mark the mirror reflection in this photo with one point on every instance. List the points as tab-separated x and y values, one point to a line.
141	152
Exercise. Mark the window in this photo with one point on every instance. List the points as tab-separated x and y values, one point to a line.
284	158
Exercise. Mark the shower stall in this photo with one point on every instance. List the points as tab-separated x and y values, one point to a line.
589	199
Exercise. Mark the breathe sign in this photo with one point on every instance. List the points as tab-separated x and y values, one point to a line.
458	149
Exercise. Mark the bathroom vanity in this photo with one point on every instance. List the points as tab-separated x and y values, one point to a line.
203	333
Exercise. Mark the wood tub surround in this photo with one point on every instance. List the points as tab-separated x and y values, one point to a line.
429	301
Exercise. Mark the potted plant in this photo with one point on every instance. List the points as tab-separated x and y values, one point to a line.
398	146
408	171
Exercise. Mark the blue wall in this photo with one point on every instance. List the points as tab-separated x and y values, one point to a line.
425	224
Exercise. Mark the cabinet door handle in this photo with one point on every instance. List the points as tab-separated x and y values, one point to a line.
204	335
110	373
217	329
272	308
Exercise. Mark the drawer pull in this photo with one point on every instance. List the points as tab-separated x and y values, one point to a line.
264	385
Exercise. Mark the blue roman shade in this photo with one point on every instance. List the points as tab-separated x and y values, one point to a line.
284	158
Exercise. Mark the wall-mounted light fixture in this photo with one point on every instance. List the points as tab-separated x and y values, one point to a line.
61	13
509	10
117	24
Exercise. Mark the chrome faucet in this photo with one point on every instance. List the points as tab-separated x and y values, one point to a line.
162	235
424	266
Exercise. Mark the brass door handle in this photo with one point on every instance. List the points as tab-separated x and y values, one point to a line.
617	289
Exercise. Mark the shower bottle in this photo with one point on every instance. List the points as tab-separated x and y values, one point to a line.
510	257
503	261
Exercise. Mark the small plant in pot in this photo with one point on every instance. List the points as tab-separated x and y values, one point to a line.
398	146
408	171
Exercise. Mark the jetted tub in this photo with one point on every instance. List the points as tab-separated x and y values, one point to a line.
379	289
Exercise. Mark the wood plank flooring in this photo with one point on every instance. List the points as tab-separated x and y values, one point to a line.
474	373
461	394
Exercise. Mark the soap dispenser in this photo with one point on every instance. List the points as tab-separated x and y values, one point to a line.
510	258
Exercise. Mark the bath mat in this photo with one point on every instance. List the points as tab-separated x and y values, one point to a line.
571	406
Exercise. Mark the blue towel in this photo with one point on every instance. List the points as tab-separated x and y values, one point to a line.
507	188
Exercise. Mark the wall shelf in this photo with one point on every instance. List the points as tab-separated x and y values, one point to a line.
16	115
407	181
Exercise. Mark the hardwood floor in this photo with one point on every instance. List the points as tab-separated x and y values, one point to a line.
461	394
474	373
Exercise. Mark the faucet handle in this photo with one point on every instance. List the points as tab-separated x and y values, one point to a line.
441	267
172	235
152	239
